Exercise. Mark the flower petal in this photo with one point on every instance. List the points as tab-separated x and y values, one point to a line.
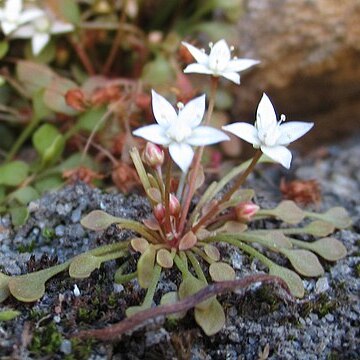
206	135
279	154
182	154
198	54
59	27
240	64
292	131
232	76
154	133
265	115
219	56
30	14
24	32
39	41
163	111
244	131
193	112
197	68
8	27
13	9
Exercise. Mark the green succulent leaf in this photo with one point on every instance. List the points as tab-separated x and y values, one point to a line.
98	220
49	143
220	271
13	173
328	248
89	119
70	11
19	215
287	211
145	267
291	278
8	315
304	262
319	228
191	285
25	195
31	287
169	298
83	265
4	287
164	258
211	319
337	216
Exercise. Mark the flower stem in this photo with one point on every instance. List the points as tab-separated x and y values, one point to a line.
83	56
167	193
216	207
197	159
196	265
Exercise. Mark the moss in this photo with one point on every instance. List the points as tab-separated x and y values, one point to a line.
357	270
87	314
23	248
80	349
46	340
322	306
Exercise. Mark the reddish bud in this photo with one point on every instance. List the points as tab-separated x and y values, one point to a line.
153	155
174	205
75	98
159	213
246	210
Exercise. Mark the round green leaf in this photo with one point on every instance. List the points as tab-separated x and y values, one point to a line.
329	248
169	298
220	271
13	173
25	195
291	278
145	267
98	220
289	212
211	319
19	215
89	119
4	287
83	265
191	285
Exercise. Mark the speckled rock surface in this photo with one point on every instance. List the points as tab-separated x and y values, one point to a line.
259	325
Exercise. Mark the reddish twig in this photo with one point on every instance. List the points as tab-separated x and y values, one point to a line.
115	331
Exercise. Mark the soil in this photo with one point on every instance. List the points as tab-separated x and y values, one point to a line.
260	324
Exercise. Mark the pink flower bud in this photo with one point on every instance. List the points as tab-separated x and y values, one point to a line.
153	155
174	205
246	210
159	212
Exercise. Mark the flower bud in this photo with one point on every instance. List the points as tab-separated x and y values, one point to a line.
246	210
159	212
153	155
174	205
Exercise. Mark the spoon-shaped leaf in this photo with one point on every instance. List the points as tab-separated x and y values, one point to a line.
292	279
337	216
304	262
220	271
191	285
145	267
172	297
211	319
98	220
329	248
287	211
83	265
31	287
164	258
319	228
4	287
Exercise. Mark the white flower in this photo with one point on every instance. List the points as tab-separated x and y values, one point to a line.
218	62
180	131
40	30
12	15
270	135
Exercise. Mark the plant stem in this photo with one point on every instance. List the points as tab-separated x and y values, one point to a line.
167	193
151	289
22	138
196	265
84	58
216	207
197	160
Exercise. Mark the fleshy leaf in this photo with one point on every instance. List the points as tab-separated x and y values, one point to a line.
90	119
319	228
287	211
13	173
337	216
83	265
211	319
145	267
139	244
304	262
212	252
8	315
273	239
25	194
329	248
98	220
232	227
19	215
187	241
191	285
220	271
164	258
4	287
31	287
172	297
154	194
292	279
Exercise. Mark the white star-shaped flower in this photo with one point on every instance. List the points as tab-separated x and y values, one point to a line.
270	135
12	15
218	62
40	30
180	131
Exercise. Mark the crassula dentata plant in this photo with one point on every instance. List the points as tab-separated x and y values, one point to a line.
181	234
